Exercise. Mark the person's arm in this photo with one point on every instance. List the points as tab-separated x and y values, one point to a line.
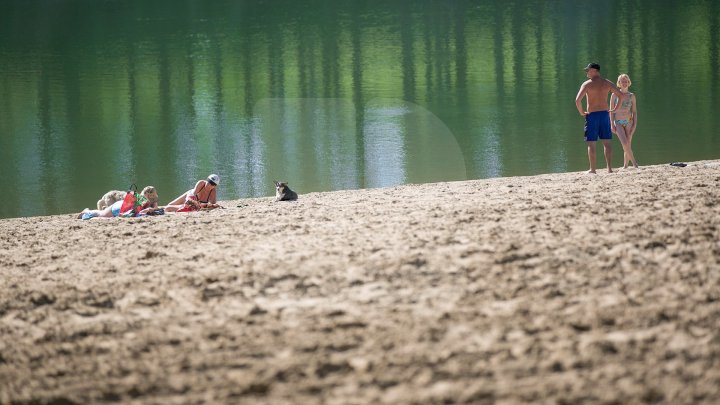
613	100
634	115
615	89
579	97
212	198
617	95
148	207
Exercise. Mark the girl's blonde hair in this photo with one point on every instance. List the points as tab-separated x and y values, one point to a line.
150	193
624	76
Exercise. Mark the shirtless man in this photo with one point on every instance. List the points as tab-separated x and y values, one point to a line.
597	117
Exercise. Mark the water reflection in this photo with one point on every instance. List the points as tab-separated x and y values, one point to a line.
348	94
384	147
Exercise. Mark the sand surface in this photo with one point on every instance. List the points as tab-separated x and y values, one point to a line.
563	288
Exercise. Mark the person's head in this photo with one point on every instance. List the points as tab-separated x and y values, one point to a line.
592	70
624	81
213	180
150	193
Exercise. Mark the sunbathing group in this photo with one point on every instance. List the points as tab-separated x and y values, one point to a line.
202	197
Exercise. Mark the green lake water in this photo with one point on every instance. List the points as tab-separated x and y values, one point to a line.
96	95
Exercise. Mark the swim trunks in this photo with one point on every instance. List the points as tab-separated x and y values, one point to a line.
597	125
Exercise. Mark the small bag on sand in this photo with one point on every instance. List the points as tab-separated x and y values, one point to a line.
132	202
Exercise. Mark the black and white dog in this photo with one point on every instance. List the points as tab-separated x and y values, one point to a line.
283	192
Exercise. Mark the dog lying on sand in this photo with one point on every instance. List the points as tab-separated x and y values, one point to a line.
283	192
110	198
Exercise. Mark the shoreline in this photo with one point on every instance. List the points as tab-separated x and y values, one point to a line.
232	203
557	287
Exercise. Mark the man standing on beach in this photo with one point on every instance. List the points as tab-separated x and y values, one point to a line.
597	117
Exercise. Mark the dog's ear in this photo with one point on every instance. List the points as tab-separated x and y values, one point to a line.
276	183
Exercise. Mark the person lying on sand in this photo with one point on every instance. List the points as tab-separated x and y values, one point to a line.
151	196
205	192
112	211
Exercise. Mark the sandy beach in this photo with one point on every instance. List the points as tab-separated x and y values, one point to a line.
561	288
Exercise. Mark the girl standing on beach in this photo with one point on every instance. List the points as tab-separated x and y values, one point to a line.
623	118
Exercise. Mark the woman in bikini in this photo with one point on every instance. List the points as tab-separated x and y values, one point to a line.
623	118
204	195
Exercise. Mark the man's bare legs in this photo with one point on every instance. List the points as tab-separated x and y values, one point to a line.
607	150
592	156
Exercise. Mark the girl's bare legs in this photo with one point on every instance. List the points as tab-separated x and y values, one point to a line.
631	133
104	213
620	132
625	141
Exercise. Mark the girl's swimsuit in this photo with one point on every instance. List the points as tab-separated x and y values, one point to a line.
115	208
627	106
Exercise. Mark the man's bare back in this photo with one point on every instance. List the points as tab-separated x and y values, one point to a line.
596	90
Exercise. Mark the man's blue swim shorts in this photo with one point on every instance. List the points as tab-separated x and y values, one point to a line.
597	125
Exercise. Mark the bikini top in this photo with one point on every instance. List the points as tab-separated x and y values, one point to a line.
208	196
627	102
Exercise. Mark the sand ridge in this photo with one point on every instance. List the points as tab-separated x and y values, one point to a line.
564	288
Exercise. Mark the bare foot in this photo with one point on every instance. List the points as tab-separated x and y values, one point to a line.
610	170
83	211
591	171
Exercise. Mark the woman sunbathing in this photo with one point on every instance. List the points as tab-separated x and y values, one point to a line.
203	196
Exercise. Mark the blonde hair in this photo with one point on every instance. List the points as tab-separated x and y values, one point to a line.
150	193
624	76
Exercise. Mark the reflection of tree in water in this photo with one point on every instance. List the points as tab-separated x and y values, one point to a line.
276	61
714	15
330	35
167	125
407	39
47	147
357	87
